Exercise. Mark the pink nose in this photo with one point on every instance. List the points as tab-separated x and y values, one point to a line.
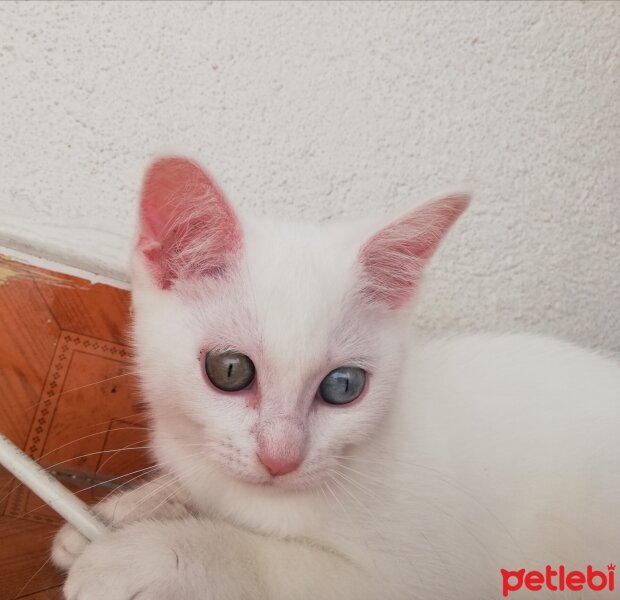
278	465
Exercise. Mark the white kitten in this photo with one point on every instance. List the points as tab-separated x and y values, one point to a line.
316	448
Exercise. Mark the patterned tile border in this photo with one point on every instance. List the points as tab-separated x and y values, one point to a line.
68	343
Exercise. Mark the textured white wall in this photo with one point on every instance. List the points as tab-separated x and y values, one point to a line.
329	109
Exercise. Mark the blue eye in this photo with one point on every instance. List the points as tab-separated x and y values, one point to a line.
342	385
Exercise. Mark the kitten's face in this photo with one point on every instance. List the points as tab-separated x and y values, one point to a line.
268	351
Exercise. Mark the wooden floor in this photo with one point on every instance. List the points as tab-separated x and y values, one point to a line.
68	399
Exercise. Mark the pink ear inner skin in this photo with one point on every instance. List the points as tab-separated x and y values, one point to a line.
187	227
393	258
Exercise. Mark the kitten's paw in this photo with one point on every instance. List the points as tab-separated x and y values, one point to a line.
134	562
68	544
151	500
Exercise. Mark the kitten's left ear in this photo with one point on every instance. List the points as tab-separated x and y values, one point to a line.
393	259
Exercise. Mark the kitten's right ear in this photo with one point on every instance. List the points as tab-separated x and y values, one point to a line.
187	229
393	259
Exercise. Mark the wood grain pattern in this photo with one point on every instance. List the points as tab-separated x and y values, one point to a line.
68	399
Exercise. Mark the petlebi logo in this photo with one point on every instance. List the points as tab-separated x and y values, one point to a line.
559	579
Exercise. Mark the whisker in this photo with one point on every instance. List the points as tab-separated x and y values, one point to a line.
351	495
140	472
322	490
358	485
445	478
102	432
378	529
62	462
339	503
31	578
175	491
367	476
143	413
175	480
38	460
128	447
75	389
87	385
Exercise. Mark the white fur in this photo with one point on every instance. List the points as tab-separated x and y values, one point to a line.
464	456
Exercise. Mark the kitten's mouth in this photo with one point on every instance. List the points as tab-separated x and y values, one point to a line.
291	481
257	473
267	483
284	480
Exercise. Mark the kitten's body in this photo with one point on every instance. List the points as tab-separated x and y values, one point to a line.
462	457
501	452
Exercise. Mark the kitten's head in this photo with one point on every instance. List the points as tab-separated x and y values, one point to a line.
269	349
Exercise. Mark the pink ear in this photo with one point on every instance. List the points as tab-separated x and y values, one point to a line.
393	259
187	229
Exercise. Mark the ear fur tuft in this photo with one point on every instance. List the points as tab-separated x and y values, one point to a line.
393	259
187	228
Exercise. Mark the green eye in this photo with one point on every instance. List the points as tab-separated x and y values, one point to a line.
229	371
342	385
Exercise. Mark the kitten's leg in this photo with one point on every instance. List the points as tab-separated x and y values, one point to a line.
198	559
154	499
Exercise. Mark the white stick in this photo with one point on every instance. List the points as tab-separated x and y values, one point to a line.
50	490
